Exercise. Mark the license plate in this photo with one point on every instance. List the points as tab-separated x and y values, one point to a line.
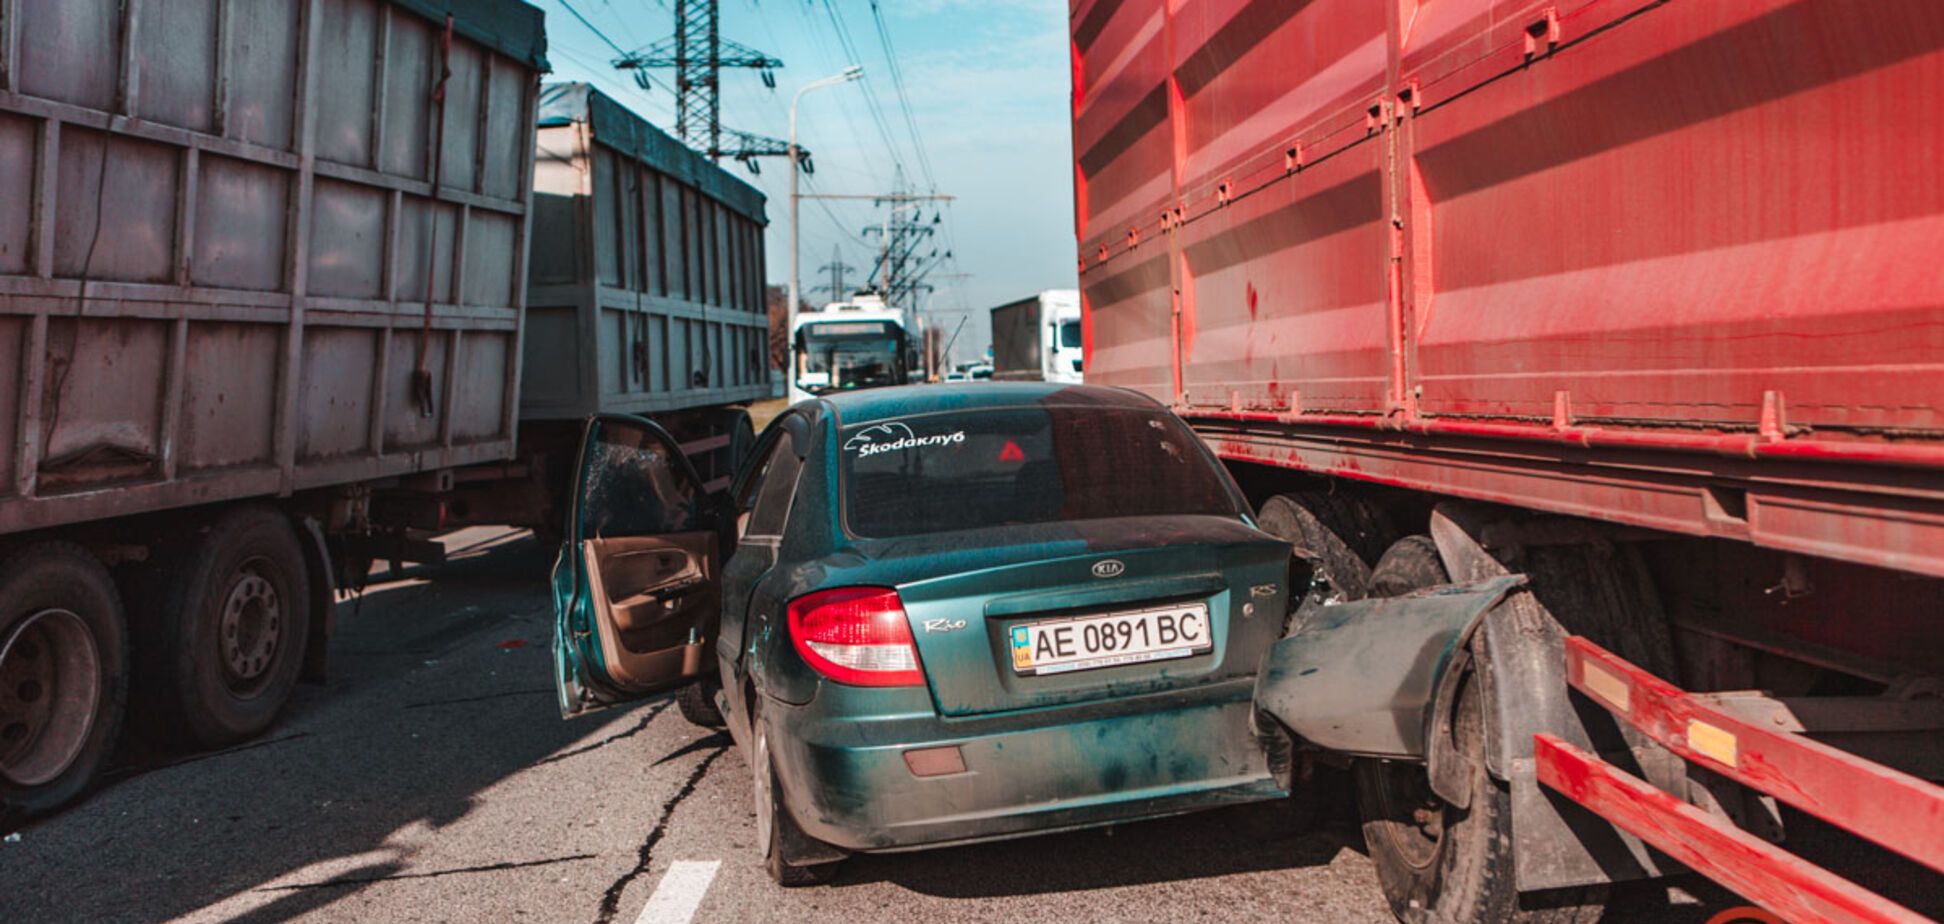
1057	646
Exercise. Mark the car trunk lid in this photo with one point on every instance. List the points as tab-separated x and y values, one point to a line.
977	591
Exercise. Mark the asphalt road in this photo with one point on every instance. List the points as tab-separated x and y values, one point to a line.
432	779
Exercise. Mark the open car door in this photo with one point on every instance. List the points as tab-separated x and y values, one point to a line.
636	590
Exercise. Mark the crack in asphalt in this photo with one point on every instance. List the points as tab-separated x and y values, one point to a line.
611	899
475	699
604	742
429	874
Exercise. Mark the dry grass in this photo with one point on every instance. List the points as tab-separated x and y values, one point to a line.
762	412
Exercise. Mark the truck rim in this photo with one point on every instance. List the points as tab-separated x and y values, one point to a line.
252	628
1404	794
50	684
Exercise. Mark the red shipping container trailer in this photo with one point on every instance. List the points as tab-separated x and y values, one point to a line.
1636	299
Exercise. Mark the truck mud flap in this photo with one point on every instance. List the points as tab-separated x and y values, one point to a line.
1520	653
1337	683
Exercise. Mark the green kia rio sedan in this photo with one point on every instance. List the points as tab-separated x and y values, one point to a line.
936	614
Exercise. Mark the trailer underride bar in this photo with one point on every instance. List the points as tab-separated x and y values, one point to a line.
1894	809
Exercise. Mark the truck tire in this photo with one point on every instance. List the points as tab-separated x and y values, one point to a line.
1435	862
234	621
1411	563
1605	592
63	674
1339	534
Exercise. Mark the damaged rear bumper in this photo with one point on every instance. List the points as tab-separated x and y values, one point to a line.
848	781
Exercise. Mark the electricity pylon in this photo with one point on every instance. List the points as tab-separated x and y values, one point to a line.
697	52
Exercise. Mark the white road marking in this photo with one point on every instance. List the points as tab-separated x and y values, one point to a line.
679	893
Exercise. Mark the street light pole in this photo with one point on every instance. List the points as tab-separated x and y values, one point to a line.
790	310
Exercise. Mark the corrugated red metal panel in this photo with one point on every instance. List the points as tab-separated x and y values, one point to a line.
1280	295
1688	210
1622	225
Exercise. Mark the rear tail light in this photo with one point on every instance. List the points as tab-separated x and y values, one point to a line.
856	635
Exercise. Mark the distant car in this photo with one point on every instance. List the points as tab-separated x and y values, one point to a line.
952	614
980	372
956	377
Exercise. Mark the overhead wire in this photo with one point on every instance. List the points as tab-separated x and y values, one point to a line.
904	98
871	102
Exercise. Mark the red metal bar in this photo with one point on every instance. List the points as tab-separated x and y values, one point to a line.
1894	809
1733	445
1762	872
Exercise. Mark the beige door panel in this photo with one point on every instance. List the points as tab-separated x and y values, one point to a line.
656	603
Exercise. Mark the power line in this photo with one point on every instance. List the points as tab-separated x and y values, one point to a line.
591	27
870	96
814	28
904	99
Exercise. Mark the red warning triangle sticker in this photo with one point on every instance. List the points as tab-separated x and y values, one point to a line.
1012	453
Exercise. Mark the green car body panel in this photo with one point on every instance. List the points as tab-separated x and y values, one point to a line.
1040	752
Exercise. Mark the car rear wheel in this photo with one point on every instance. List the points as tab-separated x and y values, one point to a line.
698	703
1435	861
63	674
787	851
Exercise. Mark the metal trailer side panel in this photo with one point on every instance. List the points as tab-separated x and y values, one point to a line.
1663	264
218	232
647	291
1016	340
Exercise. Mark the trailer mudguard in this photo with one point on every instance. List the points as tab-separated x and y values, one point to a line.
1361	677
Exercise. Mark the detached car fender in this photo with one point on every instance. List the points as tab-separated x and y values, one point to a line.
1362	678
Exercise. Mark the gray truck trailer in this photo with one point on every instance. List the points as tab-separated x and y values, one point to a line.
264	275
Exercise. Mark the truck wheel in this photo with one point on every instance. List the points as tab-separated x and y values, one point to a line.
63	674
1412	563
1605	593
234	622
783	843
1339	534
1436	862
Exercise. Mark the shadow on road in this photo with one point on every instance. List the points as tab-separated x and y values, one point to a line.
1220	842
315	805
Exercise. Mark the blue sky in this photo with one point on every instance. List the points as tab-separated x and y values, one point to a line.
987	82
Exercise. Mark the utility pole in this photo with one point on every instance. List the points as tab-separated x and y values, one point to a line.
697	53
800	163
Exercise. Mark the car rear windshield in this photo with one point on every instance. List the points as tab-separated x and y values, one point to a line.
965	470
